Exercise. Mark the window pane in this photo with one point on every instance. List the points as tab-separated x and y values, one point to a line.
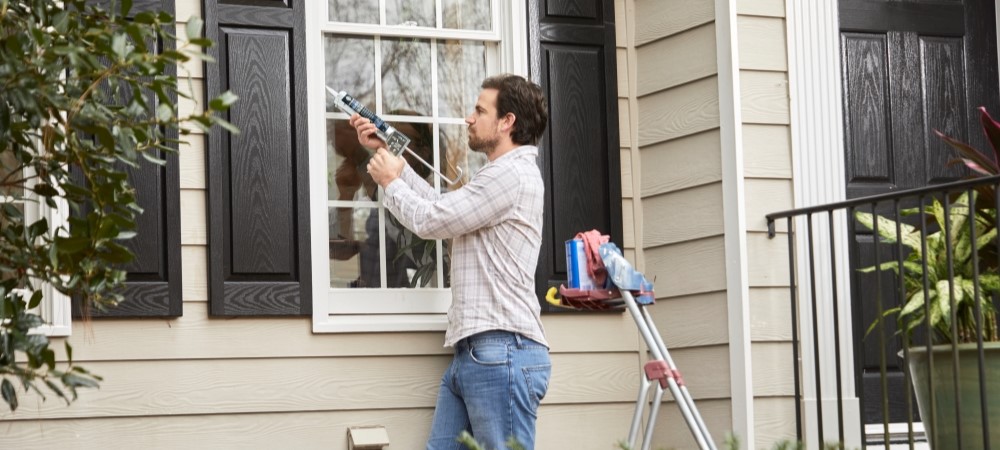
461	70
410	13
466	14
455	150
354	243
353	11
406	70
347	162
350	67
411	260
354	252
354	231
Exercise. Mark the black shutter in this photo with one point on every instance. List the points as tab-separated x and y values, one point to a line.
258	180
153	283
572	52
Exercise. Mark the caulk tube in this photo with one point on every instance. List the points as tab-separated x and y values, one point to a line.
395	141
393	138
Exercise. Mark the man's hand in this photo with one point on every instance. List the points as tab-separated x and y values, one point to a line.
385	167
366	132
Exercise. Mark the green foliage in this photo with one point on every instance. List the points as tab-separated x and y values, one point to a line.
83	95
422	252
944	292
470	442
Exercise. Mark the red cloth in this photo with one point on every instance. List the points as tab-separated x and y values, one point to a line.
592	241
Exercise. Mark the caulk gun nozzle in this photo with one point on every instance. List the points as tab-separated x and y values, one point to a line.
332	91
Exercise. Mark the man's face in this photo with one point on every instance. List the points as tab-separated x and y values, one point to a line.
484	127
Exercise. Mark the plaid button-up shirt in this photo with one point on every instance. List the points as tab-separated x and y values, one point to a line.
495	223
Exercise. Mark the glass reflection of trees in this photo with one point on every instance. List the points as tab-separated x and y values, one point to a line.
410	260
407	87
455	14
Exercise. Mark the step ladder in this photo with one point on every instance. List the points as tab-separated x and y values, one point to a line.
662	373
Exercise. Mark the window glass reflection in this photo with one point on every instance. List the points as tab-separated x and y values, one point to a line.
350	67
346	162
466	14
358	232
461	70
418	13
406	75
354	248
353	11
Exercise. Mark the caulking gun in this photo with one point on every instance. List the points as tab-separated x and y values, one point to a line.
395	141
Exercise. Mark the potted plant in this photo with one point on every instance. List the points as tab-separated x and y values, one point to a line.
955	304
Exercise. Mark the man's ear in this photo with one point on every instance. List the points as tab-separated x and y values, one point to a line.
507	123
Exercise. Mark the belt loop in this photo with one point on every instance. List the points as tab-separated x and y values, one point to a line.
517	338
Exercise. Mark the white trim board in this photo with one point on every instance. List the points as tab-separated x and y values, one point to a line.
734	221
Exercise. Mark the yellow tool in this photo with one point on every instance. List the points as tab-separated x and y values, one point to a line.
550	297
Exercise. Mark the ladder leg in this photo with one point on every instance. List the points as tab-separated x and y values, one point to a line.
698	425
647	438
640	405
658	350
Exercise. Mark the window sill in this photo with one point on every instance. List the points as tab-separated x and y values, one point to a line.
374	323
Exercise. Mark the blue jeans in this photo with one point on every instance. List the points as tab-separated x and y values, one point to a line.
491	389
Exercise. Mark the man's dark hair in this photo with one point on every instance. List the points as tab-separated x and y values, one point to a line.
526	101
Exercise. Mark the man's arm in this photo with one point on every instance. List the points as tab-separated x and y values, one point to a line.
419	185
484	201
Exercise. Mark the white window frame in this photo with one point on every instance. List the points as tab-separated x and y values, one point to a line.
55	307
380	310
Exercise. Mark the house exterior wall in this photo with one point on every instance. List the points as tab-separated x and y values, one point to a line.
682	188
680	196
767	177
203	382
198	381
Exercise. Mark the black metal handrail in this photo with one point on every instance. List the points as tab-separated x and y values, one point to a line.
877	205
955	185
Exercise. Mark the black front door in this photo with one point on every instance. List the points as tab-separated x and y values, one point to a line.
909	68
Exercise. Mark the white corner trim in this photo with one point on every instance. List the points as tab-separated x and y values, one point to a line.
734	216
818	177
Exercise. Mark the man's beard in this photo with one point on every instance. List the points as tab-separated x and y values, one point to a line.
483	145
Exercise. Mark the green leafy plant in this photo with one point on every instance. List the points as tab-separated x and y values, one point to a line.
84	93
952	243
939	295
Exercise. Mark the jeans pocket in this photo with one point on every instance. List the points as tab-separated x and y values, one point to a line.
537	378
489	353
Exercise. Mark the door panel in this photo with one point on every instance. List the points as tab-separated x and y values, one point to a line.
909	68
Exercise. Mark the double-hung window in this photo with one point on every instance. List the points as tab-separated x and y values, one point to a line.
419	65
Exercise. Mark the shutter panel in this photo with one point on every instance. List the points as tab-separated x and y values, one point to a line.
572	52
153	283
257	180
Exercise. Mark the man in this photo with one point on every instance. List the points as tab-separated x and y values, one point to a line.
501	367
